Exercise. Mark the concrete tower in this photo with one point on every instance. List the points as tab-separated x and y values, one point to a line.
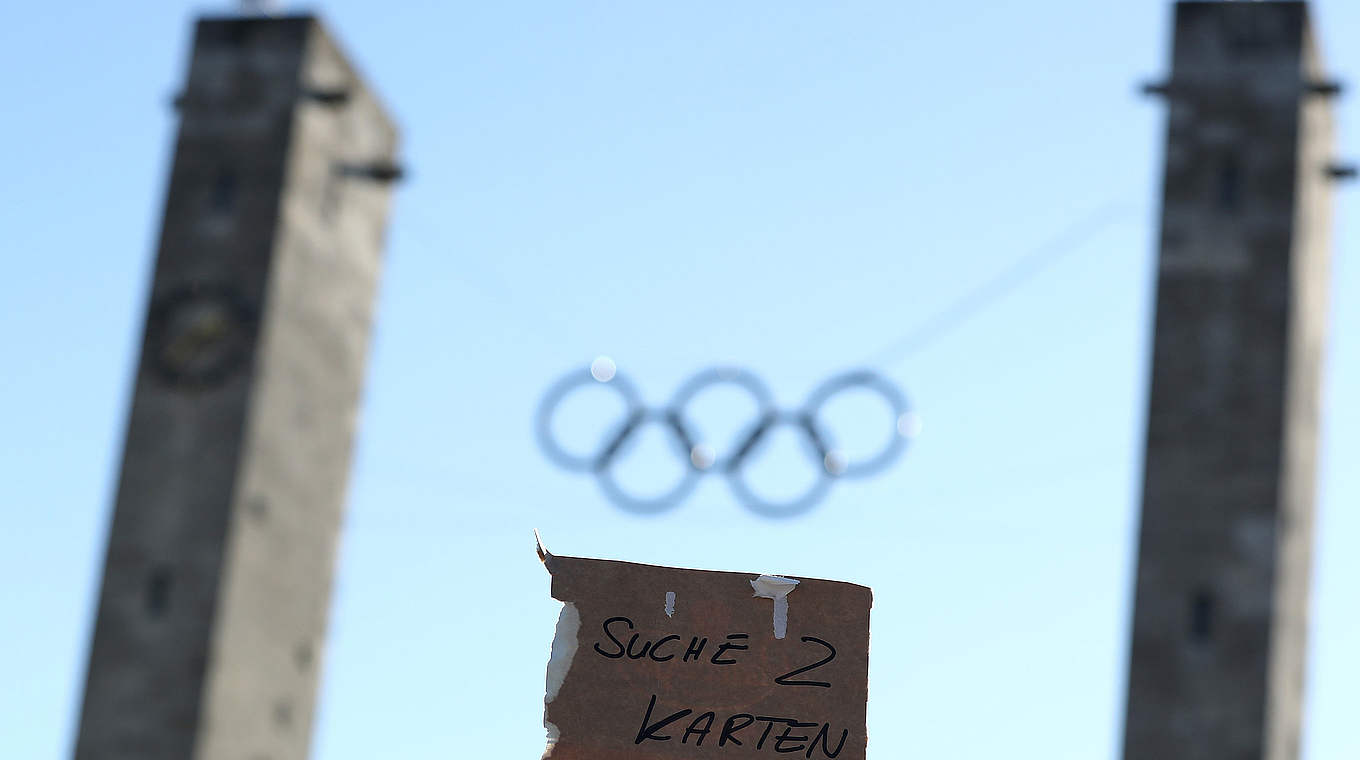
217	581
1220	617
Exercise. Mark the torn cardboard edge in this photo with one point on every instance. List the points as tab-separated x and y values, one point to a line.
547	557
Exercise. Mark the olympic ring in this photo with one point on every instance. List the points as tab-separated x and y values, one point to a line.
691	446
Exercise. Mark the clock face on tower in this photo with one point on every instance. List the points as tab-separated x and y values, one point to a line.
199	336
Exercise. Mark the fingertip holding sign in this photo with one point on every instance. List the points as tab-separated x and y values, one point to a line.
628	680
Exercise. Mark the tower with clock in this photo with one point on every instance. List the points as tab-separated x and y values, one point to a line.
216	584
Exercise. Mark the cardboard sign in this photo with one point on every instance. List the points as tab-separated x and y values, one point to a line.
660	662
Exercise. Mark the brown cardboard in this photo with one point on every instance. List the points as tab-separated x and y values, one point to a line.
606	704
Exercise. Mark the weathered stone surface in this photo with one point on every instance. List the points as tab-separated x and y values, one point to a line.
1217	658
216	585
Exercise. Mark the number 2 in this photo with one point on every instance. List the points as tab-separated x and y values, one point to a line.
831	655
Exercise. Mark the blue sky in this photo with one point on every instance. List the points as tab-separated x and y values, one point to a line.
789	187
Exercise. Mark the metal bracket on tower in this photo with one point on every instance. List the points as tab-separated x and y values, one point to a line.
334	96
1158	89
1337	171
377	171
1327	88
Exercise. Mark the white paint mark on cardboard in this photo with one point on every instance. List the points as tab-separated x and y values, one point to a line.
776	587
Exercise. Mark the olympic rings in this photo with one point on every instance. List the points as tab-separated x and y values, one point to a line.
690	445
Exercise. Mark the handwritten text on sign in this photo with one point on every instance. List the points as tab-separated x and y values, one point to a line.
656	662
